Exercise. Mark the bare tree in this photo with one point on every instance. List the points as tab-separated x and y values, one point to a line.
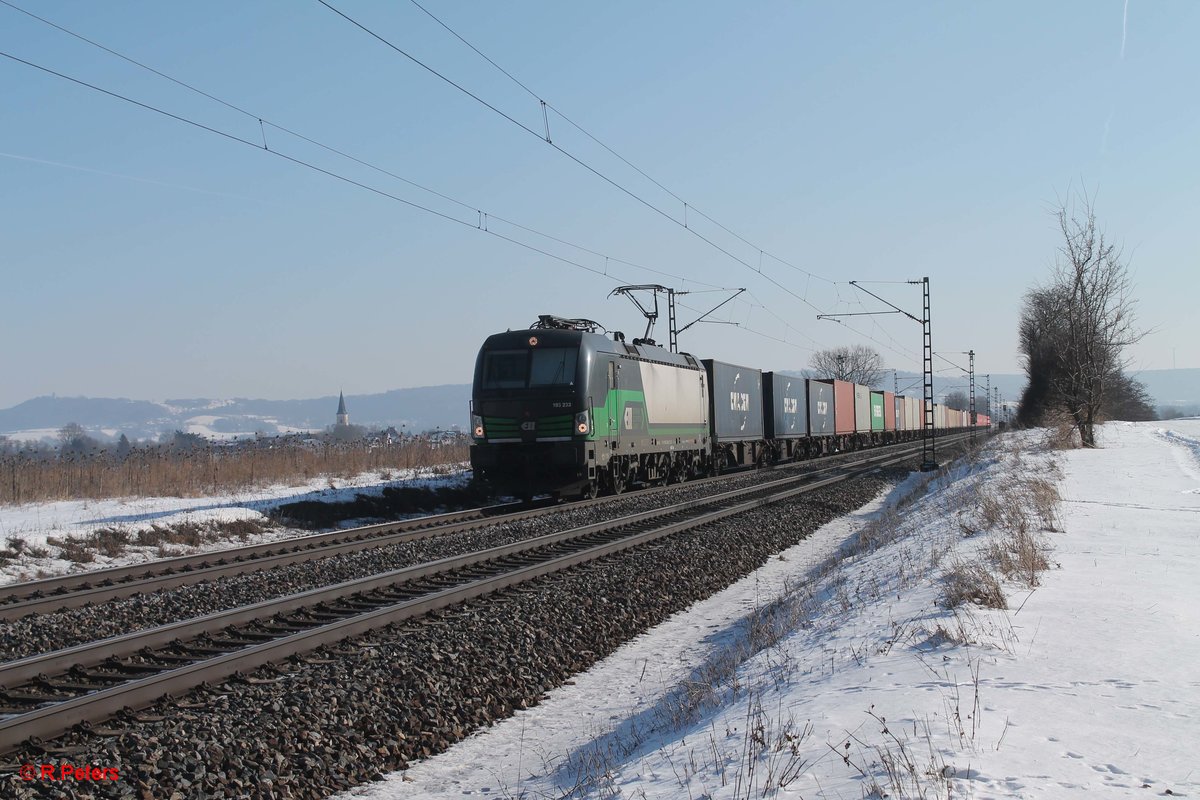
1074	330
70	432
959	401
858	364
1127	399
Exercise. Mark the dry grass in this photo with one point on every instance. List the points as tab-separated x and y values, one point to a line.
30	476
1063	435
1045	498
878	532
1019	555
972	582
167	539
1014	510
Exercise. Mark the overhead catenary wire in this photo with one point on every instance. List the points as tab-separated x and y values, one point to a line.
482	216
562	115
306	164
634	195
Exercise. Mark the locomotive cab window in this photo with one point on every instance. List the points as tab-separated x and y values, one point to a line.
505	369
520	369
554	366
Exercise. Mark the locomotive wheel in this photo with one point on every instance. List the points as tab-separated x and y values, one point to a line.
589	491
618	481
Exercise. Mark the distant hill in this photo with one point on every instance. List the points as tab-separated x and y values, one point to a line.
1172	387
1169	388
419	409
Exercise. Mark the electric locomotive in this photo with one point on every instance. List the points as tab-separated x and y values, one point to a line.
561	408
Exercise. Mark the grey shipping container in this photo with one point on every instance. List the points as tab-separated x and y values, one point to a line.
820	408
736	399
785	410
862	409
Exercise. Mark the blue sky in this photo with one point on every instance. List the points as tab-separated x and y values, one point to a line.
146	258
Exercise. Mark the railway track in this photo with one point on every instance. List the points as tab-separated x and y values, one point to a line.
99	586
47	695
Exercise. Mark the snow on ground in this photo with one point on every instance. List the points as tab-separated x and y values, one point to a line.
34	523
863	684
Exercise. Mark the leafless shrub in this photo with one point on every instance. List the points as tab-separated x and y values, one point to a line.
72	549
972	582
108	542
942	633
1063	433
187	534
115	541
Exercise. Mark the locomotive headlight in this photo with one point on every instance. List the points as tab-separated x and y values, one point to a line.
583	422
477	425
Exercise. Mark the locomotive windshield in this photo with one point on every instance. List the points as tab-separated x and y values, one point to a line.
520	369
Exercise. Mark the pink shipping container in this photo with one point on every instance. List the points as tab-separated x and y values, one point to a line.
889	411
843	407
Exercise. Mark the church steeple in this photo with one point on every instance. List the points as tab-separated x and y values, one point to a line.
343	416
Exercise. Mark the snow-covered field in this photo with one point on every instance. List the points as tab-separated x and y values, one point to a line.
1087	685
34	523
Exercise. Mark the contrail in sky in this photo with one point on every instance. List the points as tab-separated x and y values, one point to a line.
1124	28
16	157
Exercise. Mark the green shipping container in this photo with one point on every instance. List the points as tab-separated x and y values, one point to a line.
876	411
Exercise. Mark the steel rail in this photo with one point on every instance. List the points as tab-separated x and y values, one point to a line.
97	586
36	596
51	720
21	670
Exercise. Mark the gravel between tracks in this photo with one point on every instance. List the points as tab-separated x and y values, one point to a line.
342	717
41	633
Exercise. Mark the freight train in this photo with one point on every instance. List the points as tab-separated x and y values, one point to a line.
562	409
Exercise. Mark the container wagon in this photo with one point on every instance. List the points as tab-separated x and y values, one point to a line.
821	429
736	413
877	417
862	413
785	415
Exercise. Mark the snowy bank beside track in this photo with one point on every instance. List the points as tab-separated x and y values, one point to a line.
25	529
826	677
